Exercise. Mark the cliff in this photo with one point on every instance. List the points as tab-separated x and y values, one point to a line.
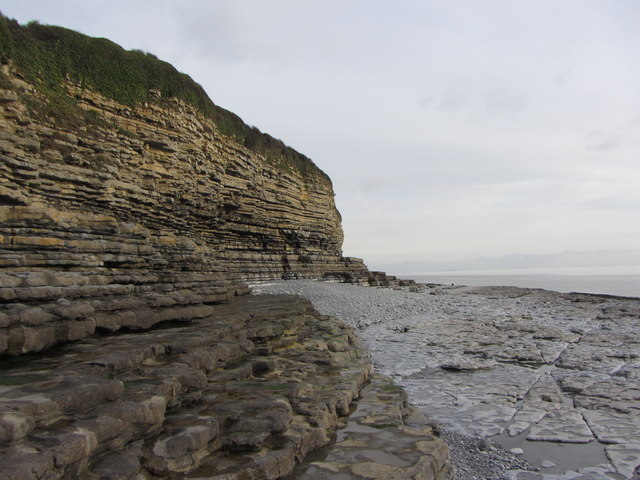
140	207
136	164
116	208
158	205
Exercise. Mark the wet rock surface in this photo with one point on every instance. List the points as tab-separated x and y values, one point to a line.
253	387
383	439
245	393
534	370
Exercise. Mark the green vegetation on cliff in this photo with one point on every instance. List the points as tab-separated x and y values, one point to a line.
48	56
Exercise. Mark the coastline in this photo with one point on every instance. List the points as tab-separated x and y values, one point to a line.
563	353
620	281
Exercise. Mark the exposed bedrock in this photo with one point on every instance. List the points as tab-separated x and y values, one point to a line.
144	215
128	348
166	167
553	376
243	393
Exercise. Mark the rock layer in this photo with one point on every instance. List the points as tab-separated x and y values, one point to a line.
244	393
166	167
384	439
143	215
128	351
68	275
256	375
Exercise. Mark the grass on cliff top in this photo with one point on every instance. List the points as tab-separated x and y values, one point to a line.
48	56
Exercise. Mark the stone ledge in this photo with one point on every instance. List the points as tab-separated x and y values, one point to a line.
244	393
247	393
384	439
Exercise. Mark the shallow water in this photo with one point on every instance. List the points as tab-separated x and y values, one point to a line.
566	456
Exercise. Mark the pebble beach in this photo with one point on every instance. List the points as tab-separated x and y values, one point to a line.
524	384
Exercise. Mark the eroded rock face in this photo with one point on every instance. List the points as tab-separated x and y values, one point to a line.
166	167
246	392
143	215
67	275
255	375
146	222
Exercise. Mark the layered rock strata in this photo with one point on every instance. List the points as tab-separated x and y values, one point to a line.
146	215
246	392
127	235
166	167
68	275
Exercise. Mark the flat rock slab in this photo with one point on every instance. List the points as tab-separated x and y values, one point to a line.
383	440
564	426
611	426
473	403
625	458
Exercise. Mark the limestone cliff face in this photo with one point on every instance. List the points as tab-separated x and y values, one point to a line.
143	215
121	218
166	167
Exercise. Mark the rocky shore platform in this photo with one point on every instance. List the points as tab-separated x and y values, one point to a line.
525	384
262	388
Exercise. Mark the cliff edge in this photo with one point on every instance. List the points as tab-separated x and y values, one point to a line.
149	206
133	211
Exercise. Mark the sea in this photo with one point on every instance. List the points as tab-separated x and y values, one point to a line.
609	280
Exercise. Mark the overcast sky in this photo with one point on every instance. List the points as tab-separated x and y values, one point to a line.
451	129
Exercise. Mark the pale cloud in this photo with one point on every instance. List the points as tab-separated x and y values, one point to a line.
563	78
604	140
465	96
456	97
500	100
